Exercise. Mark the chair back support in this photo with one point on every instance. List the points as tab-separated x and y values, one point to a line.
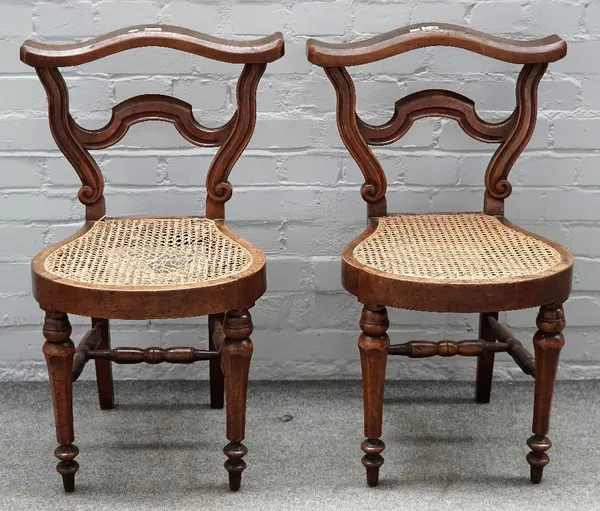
75	141
512	134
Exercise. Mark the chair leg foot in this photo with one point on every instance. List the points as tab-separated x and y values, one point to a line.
372	459
547	342
236	353
235	465
67	467
373	344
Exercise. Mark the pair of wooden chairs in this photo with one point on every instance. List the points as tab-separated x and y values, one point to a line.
148	268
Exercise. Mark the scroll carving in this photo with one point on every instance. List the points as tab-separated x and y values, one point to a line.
58	107
435	103
217	187
496	182
152	107
374	188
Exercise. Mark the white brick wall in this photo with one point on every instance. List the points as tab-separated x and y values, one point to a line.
296	189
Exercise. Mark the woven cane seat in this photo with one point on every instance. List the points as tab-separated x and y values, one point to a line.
127	262
453	247
149	252
422	261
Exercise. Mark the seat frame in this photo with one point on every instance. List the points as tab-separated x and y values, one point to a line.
376	289
226	301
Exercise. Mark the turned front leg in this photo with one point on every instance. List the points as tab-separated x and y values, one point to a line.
59	351
236	353
373	344
547	341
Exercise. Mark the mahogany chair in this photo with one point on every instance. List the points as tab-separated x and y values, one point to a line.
150	268
467	262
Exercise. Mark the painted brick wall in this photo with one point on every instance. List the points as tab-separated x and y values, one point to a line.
296	190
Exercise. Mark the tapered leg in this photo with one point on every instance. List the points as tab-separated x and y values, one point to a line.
59	350
547	341
217	380
104	377
485	363
236	353
373	344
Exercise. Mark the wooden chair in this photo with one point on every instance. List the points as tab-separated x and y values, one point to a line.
450	262
150	268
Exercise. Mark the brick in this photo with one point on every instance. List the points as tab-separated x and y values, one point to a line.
130	87
25	134
587	171
288	274
20	242
525	204
64	20
308	168
320	18
19	310
558	95
254	170
20	173
499	17
576	133
265	235
188	170
579	60
89	94
110	15
205	15
455	60
140	171
592	17
22	93
449	12
277	133
587	274
377	98
377	18
572	205
431	170
323	237
585	240
33	206
327	272
543	171
16	19
451	200
294	62
155	202
152	61
590	96
201	94
582	311
555	17
9	56
258	19
15	278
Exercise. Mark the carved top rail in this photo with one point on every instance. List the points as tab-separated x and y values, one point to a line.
512	133
232	138
548	49
254	51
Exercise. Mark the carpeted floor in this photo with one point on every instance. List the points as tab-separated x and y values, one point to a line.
160	449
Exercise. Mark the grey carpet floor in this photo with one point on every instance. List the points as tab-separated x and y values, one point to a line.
160	449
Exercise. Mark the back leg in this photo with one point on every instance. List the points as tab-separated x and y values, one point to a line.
485	362
217	380
104	377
